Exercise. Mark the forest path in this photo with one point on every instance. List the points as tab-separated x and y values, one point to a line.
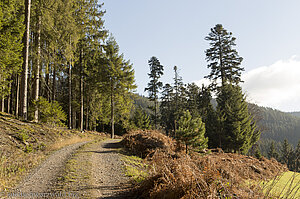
82	170
39	181
108	176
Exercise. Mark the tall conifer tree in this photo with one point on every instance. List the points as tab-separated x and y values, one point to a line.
224	60
238	129
119	83
156	71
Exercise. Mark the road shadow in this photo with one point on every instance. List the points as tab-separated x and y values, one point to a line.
112	145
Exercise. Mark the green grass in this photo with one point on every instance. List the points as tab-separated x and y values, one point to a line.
286	185
135	168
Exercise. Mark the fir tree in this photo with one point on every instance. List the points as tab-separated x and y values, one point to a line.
140	119
156	71
167	108
238	129
210	117
223	59
272	153
286	152
191	132
11	33
119	81
297	157
193	94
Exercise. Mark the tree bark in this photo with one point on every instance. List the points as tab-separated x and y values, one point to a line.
81	90
70	95
2	104
47	83
37	72
25	59
87	113
17	95
9	98
112	111
54	83
155	114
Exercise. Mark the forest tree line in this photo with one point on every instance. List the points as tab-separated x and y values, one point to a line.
59	65
186	112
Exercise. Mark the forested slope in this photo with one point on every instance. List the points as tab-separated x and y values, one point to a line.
278	125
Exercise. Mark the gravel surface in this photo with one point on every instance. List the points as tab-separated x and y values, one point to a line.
38	183
108	178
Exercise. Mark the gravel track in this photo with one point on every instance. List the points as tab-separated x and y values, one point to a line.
41	179
107	177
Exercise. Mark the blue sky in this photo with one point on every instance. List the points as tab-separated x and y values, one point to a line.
267	32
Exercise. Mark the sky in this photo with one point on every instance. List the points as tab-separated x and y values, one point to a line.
267	37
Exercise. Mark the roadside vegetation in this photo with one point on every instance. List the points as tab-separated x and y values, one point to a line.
213	174
24	145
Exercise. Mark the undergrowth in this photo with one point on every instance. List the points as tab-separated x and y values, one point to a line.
174	174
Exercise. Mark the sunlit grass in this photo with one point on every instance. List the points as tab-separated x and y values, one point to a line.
286	185
135	168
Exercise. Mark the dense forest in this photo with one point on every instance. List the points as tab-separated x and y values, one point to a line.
60	66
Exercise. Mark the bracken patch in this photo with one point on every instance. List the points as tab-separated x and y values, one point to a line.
174	174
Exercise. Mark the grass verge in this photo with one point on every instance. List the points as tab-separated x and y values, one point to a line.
286	185
135	168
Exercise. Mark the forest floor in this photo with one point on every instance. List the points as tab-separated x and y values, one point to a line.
83	170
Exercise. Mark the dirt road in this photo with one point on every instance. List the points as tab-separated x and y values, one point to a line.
105	173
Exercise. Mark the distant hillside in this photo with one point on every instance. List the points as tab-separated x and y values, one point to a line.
143	102
297	114
278	125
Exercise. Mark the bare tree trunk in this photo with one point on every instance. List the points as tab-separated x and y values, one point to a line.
17	96
87	113
37	74
81	90
155	114
54	83
25	59
9	98
70	95
74	119
112	105
2	104
47	83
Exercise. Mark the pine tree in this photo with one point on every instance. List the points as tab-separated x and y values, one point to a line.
167	109
11	33
272	153
179	97
286	152
140	119
119	81
223	59
209	117
238	129
156	71
297	158
193	94
191	132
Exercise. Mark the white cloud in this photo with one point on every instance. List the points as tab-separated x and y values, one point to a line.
276	86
